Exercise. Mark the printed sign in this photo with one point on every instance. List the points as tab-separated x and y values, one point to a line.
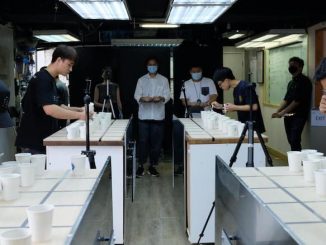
317	118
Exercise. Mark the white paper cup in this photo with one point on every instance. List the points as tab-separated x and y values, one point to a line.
295	160
82	132
27	172
9	186
91	107
20	236
6	169
315	155
23	157
78	163
40	221
72	131
309	167
307	151
11	164
320	179
38	161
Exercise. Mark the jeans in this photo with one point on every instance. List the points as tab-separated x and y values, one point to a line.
293	128
150	138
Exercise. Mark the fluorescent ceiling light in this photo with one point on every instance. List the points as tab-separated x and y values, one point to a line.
146	42
273	38
236	36
100	9
158	25
197	11
54	36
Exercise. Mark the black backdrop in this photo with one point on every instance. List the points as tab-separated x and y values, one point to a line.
128	64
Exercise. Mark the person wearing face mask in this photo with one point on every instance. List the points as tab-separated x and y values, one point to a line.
152	92
200	91
295	106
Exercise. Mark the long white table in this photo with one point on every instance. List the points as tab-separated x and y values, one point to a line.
71	196
276	205
109	142
201	147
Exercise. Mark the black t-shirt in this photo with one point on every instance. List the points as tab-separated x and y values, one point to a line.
35	125
300	90
241	95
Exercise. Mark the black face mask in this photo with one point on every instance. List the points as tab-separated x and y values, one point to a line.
293	69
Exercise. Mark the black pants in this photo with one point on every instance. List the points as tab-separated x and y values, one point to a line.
294	127
150	138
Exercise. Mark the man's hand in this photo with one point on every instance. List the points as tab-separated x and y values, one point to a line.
217	105
157	99
230	107
146	99
277	115
322	105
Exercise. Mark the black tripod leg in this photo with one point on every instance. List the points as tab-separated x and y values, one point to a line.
235	153
268	157
202	232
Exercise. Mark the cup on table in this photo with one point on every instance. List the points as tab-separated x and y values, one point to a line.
40	221
27	172
82	131
78	163
72	131
91	107
20	236
315	155
11	165
295	160
23	157
309	167
307	151
9	186
38	161
320	180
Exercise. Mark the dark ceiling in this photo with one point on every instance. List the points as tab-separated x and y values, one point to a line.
251	15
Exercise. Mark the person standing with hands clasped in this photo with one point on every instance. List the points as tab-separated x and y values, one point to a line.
200	91
320	76
295	106
242	91
152	92
40	105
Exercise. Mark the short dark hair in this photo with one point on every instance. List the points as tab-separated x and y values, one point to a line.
152	58
320	72
223	73
64	52
297	60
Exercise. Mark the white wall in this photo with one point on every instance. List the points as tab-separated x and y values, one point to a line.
7	136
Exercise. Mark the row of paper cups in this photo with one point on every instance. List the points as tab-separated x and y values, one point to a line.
78	129
216	121
40	227
313	164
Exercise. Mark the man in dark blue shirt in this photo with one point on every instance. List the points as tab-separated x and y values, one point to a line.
244	93
295	106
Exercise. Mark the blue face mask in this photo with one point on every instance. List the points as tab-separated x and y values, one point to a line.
196	76
152	69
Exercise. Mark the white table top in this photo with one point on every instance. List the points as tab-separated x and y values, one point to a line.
68	193
292	200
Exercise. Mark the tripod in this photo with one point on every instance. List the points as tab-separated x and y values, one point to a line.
188	113
249	126
88	152
108	98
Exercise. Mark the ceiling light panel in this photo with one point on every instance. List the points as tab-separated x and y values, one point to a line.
100	9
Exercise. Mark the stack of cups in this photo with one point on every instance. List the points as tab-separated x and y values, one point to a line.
27	170
9	186
40	221
295	161
320	179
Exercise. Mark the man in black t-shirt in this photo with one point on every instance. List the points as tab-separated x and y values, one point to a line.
40	103
244	94
295	106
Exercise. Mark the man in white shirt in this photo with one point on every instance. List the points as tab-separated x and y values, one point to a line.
200	91
152	92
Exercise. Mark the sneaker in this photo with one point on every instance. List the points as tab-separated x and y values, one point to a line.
140	172
152	171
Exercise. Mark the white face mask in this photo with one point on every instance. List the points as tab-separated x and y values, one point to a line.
196	76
